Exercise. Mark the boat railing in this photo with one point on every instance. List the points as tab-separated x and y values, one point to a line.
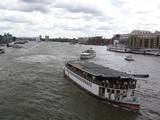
116	89
140	75
67	60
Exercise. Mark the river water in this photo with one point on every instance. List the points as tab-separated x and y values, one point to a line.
33	87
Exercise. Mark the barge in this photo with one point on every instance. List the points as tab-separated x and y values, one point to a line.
118	49
115	87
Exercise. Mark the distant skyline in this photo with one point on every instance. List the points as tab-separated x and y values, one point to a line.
78	18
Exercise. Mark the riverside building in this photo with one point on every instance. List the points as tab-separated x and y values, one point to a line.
140	39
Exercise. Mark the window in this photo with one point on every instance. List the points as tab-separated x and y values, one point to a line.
146	43
151	44
108	90
140	43
112	91
118	91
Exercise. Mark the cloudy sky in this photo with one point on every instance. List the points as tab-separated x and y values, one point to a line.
77	18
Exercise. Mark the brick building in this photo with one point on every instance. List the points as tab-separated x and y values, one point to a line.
144	39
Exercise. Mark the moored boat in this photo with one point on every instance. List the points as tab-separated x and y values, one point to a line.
119	49
129	58
87	54
16	46
115	87
2	51
157	53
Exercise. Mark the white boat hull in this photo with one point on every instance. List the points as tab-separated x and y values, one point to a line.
89	86
87	56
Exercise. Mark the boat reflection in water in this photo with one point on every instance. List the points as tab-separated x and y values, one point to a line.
118	88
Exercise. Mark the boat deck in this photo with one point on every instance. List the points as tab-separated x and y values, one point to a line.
98	70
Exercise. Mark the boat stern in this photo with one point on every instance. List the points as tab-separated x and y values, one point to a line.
131	103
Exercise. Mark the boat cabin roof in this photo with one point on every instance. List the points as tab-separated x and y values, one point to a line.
98	70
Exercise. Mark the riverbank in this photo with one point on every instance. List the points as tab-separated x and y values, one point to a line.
155	52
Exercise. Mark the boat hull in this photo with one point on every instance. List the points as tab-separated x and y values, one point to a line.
88	56
129	59
128	106
85	84
94	90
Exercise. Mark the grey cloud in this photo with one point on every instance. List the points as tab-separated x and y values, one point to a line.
69	28
87	27
73	29
75	8
31	1
117	3
143	12
34	7
14	19
74	16
27	7
104	28
6	27
147	24
38	1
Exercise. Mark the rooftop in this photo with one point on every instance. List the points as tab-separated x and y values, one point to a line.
99	70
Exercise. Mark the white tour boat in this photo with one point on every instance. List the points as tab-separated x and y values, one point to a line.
87	54
118	88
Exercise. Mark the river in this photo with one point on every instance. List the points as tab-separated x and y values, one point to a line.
33	87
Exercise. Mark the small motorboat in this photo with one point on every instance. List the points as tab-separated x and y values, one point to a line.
129	58
16	46
157	53
2	51
87	54
13	45
21	42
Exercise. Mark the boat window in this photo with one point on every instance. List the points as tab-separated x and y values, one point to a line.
103	83
118	98
89	77
125	85
87	82
112	91
108	90
111	85
118	91
132	93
